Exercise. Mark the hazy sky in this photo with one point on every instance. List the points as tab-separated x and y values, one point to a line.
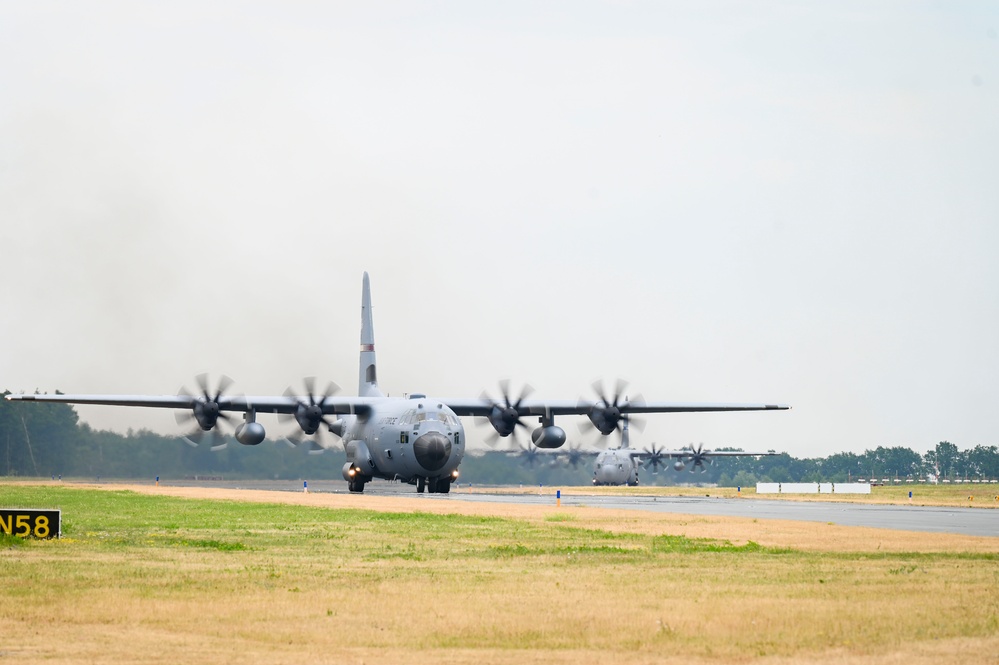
770	201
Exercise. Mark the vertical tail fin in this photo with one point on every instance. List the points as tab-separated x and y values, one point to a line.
367	372
625	437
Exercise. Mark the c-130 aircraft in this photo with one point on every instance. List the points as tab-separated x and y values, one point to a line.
619	466
414	439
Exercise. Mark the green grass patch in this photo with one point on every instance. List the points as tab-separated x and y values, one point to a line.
8	540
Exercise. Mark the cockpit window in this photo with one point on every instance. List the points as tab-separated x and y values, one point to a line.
412	417
448	419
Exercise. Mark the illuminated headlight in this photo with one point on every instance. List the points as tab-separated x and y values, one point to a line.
352	471
454	474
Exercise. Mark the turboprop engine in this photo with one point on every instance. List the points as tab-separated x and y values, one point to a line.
551	436
609	413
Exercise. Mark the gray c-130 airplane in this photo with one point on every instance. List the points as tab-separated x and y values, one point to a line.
619	466
414	439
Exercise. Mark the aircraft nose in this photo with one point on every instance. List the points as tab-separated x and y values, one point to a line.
432	450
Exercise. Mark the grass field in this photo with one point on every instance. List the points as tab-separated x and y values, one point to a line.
154	577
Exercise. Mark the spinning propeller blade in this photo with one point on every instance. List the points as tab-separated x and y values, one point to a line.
505	416
206	413
309	415
606	414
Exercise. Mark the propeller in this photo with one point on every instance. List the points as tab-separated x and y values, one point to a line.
529	455
309	414
698	457
206	413
606	414
655	458
575	456
505	415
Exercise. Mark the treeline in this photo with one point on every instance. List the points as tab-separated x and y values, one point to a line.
945	461
45	439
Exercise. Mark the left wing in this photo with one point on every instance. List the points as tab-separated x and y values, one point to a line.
482	407
696	457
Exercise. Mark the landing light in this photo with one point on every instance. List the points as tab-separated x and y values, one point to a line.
454	474
352	471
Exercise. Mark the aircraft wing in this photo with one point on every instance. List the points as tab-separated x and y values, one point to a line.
722	453
344	405
241	403
533	407
687	453
164	401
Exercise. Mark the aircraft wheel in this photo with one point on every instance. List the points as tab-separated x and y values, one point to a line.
444	486
356	486
432	485
421	484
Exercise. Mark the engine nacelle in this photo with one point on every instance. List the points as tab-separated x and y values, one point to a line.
206	413
309	417
605	418
504	420
338	427
679	465
548	437
250	434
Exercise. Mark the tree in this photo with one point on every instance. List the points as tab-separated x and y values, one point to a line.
945	455
983	461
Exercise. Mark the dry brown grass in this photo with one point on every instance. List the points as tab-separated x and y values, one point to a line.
307	602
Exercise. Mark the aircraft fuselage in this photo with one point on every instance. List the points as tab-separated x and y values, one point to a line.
417	440
615	467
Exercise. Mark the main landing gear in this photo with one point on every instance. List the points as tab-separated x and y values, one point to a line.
433	485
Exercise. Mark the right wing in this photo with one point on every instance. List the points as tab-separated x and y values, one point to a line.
242	403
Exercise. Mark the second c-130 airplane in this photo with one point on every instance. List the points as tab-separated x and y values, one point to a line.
619	466
414	439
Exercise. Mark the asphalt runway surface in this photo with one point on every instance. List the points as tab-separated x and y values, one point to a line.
936	519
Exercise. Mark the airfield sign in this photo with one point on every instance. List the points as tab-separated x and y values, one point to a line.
30	522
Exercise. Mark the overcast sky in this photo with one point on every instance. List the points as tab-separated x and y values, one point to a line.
769	201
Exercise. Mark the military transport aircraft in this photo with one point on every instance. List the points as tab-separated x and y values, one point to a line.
414	439
619	466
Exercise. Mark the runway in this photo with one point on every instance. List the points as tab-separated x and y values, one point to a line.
933	519
966	521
